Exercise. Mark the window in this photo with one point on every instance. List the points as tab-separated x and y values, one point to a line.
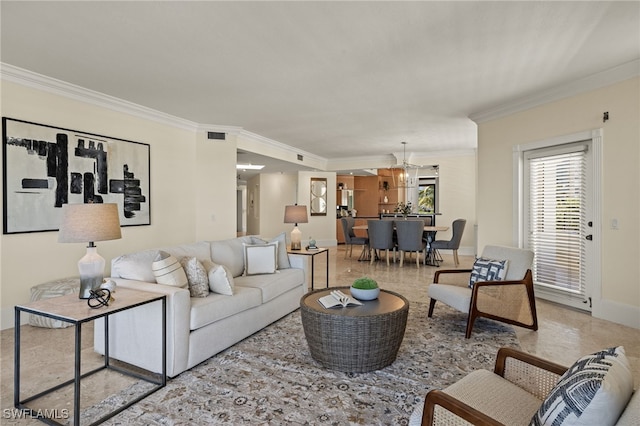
427	189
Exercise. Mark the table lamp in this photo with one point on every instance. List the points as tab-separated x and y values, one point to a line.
295	214
83	223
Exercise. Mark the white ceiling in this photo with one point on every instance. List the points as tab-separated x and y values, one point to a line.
335	79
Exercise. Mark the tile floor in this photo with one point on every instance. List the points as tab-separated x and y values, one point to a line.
563	336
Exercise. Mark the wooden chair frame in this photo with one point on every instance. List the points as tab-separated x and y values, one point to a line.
475	313
472	415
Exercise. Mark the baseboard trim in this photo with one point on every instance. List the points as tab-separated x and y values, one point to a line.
617	312
7	318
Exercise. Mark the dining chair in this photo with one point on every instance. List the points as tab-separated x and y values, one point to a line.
350	237
452	244
409	232
381	238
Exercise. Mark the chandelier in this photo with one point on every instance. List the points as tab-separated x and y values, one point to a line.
405	175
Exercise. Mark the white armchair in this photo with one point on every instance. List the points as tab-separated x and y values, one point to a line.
524	389
510	300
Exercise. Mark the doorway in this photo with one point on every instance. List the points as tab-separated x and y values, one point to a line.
560	218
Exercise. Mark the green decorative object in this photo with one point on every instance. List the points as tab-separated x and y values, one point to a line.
365	289
365	283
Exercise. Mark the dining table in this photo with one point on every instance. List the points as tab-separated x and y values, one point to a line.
431	257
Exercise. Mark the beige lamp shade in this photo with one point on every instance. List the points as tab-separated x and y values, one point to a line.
82	223
86	223
295	214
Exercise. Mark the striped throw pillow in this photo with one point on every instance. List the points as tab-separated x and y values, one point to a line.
168	270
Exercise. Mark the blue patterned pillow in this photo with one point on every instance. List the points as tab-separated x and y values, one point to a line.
593	391
488	270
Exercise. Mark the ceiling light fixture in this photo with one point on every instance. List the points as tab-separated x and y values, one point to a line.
405	179
249	167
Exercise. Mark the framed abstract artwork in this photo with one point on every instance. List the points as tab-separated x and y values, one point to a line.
45	167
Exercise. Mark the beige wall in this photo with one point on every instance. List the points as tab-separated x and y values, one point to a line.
276	191
321	228
620	181
178	191
457	195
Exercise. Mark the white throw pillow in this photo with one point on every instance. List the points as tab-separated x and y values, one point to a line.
230	253
168	271
283	257
488	270
196	276
260	258
593	391
220	278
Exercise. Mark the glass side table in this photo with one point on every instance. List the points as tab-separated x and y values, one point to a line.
75	311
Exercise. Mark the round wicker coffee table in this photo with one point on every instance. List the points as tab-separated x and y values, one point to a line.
354	339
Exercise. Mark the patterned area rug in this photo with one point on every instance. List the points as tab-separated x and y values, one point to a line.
270	377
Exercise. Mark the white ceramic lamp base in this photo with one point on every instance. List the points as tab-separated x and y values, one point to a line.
91	268
296	239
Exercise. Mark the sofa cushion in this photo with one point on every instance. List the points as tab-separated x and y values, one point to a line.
272	285
593	391
196	276
200	250
230	253
488	270
135	266
220	278
215	307
260	258
168	270
283	257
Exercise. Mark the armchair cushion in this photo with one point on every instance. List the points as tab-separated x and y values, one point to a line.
472	391
594	390
488	270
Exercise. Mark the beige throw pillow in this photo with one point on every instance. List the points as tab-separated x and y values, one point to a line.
196	276
168	270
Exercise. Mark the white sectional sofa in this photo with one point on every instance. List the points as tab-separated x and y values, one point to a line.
199	327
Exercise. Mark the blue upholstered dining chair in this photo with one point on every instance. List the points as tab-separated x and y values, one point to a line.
381	238
350	237
454	243
409	233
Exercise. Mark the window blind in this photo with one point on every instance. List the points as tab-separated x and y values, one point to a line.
557	217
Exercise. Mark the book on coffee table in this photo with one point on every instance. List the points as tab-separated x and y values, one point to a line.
337	299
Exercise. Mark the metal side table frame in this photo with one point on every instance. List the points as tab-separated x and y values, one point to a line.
71	309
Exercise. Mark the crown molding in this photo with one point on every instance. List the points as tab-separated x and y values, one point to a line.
58	87
573	88
229	130
268	145
389	160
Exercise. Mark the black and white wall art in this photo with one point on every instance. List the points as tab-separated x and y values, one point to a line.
45	167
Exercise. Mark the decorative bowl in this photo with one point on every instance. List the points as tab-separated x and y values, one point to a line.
365	294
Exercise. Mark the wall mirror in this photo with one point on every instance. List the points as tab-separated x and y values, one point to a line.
318	197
